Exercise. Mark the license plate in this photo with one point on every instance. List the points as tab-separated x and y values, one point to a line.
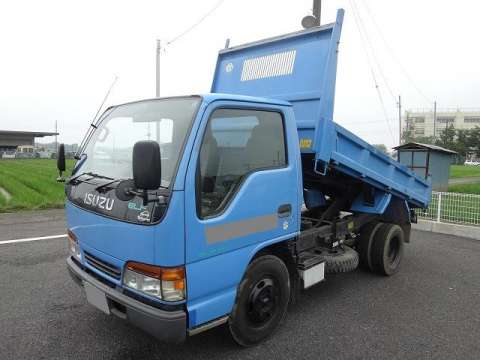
96	298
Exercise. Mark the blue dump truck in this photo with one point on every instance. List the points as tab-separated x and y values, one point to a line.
185	213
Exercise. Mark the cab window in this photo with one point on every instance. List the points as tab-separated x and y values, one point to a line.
236	143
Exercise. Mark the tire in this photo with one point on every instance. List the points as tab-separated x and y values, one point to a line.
365	242
387	249
340	260
262	301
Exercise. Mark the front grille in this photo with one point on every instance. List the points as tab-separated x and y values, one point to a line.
107	268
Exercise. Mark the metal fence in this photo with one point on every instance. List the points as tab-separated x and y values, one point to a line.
453	208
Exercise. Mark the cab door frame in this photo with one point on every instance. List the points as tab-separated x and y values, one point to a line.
215	268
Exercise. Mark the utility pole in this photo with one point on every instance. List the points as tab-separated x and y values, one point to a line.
56	142
317	11
435	120
399	120
157	90
157	68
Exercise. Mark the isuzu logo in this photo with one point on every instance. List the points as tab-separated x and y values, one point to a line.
98	201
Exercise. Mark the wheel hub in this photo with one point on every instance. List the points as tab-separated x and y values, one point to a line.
262	301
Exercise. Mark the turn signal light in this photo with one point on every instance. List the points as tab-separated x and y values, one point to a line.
71	236
164	283
145	269
73	245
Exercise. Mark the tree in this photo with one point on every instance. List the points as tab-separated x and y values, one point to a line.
473	141
425	140
447	137
461	143
381	147
408	134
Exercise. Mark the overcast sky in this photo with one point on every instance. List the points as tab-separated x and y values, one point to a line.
58	58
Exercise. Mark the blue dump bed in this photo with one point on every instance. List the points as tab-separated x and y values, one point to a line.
301	69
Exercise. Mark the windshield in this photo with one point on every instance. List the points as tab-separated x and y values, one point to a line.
109	152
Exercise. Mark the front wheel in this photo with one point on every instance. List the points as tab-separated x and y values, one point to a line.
262	300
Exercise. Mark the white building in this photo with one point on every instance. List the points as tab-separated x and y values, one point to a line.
420	122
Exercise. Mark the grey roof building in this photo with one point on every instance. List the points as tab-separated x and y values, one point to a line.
425	160
10	140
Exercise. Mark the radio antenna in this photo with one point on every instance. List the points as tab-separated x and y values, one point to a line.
93	125
105	98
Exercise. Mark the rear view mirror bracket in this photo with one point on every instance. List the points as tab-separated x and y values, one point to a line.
144	195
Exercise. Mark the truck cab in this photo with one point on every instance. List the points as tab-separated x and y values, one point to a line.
234	193
185	213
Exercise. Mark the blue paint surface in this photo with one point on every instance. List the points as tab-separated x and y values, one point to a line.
305	98
310	88
154	244
214	270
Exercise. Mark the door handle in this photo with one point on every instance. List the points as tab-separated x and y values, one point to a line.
284	210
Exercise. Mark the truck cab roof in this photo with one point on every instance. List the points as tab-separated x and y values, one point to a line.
210	97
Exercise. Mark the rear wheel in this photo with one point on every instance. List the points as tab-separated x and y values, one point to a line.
387	249
365	242
262	301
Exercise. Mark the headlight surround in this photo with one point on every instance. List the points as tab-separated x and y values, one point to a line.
163	283
73	246
142	283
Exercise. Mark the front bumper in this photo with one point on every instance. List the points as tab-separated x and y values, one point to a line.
168	326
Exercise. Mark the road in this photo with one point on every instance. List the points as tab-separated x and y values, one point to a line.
429	310
27	224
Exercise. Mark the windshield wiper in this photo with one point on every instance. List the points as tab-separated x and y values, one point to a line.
92	174
103	186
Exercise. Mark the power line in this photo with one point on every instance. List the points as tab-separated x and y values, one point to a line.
198	22
392	54
176	38
357	21
372	50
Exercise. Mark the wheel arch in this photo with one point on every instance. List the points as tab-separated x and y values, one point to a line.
398	212
284	251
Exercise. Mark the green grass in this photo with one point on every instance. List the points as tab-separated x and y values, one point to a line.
465	188
462	171
31	183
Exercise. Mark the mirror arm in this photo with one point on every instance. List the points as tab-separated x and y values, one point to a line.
60	177
145	197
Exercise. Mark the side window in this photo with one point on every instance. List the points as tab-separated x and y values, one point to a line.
236	142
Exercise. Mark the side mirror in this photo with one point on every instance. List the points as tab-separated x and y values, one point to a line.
147	165
61	162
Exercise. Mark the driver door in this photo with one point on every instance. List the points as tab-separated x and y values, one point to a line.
240	192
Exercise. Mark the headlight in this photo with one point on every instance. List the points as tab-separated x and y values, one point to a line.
163	283
73	246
